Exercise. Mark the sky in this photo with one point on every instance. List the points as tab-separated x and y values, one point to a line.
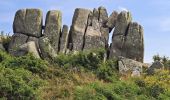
153	15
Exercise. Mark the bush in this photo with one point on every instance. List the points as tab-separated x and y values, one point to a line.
19	84
28	62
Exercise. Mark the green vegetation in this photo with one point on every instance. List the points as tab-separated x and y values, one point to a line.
164	60
80	76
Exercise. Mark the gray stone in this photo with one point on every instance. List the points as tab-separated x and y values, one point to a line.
157	65
2	47
116	46
30	38
103	16
16	41
28	22
53	28
93	39
19	21
78	28
112	20
47	51
129	66
133	47
29	47
64	39
122	23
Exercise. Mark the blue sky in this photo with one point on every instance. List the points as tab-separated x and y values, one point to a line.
153	15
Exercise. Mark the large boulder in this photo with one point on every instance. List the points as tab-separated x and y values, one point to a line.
127	40
29	47
47	51
29	22
133	47
53	28
157	65
119	34
129	67
16	41
78	28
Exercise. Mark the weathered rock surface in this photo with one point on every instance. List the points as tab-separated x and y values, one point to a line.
47	51
129	66
133	47
89	30
29	22
122	23
16	41
127	40
29	47
155	66
112	20
64	39
53	28
96	35
78	28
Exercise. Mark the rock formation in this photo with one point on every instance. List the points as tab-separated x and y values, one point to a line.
157	65
89	30
129	67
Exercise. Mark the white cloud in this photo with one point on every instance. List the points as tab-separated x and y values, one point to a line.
122	9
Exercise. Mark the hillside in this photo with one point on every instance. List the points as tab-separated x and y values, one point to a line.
76	77
55	62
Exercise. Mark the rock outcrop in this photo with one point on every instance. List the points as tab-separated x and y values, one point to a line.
129	67
127	40
53	28
89	30
28	22
157	65
29	47
78	28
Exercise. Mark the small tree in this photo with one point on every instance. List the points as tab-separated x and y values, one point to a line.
156	57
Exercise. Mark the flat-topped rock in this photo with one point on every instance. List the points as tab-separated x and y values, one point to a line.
28	22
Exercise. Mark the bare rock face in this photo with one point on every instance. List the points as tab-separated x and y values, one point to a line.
29	47
133	47
97	33
53	28
64	39
157	65
112	20
93	39
89	30
16	41
78	28
122	22
28	22
47	51
129	67
127	40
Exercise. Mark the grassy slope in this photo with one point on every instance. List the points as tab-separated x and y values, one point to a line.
80	77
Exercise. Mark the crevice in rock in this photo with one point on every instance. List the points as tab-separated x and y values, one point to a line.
84	36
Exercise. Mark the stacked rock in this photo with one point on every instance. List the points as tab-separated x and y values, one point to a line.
89	30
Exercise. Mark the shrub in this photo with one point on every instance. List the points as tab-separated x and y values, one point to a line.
28	62
19	84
